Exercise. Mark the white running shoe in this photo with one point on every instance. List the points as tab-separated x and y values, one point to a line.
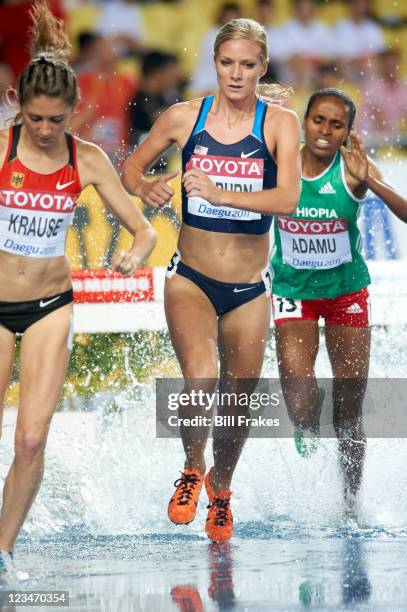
8	569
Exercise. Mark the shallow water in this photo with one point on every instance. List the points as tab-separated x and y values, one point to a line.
99	528
260	570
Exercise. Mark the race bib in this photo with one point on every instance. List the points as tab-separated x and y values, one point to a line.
231	174
314	244
286	308
33	223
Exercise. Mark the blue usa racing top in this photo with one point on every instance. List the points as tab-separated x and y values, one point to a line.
244	166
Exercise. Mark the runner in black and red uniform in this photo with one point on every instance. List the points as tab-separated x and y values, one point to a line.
42	171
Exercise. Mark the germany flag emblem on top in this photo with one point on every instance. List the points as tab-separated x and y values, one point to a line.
17	179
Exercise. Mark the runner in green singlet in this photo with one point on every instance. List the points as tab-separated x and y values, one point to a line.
319	272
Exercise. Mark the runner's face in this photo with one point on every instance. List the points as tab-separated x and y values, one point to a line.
326	127
46	120
238	67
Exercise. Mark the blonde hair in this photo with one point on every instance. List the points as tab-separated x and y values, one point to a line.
48	73
252	30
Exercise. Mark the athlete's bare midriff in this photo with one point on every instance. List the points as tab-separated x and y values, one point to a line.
230	258
28	278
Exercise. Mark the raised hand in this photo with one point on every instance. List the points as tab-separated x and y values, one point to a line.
157	193
355	157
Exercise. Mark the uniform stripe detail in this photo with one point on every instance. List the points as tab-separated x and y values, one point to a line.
258	119
266	277
345	184
203	113
69	142
15	137
173	265
75	166
359	244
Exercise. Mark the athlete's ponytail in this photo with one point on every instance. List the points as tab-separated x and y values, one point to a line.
48	72
273	93
47	33
252	30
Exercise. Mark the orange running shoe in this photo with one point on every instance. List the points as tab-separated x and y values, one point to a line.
187	598
182	506
219	524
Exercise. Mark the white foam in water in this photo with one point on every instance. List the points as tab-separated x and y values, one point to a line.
109	474
116	477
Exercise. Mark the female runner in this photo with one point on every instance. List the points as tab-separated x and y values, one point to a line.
318	271
42	171
240	164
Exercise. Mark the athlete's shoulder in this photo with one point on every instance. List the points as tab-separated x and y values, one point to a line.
175	124
279	115
84	147
88	152
94	165
281	128
4	140
183	111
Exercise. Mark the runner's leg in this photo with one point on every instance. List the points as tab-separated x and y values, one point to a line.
192	324
349	350
243	335
297	347
7	341
43	361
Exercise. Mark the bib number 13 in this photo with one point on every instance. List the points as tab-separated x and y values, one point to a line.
286	308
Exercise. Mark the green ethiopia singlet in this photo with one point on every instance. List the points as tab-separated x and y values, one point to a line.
317	250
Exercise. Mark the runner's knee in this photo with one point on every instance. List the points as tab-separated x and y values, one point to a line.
29	444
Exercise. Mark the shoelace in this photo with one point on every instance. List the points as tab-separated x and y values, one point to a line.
221	506
187	483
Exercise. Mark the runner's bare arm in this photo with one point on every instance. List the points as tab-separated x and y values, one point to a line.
368	176
166	131
394	200
96	169
282	200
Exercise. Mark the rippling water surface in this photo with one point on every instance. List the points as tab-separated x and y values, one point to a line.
99	530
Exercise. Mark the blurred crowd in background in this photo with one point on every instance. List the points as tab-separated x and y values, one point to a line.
135	58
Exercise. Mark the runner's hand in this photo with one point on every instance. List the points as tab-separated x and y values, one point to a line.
125	262
157	193
355	157
197	183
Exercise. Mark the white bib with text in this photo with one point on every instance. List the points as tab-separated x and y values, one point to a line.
314	244
231	174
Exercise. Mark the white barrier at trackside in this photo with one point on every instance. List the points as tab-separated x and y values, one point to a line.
388	291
